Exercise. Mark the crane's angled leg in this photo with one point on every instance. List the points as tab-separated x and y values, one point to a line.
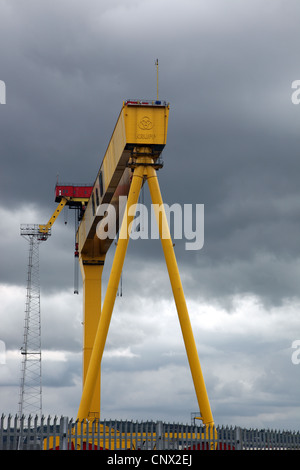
179	298
110	296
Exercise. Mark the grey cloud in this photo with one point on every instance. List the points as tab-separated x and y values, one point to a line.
233	142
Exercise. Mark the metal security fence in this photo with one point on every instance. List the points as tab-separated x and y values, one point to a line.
55	433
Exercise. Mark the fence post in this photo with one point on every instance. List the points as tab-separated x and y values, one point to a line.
238	438
63	445
159	435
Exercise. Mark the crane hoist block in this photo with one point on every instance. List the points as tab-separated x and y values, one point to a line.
140	124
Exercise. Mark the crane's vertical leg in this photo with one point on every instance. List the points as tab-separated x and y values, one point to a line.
110	296
91	270
179	298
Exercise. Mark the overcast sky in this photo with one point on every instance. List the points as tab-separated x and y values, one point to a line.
226	68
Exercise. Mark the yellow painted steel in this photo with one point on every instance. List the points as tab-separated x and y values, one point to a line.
137	125
131	157
143	169
110	296
45	228
91	270
95	435
63	201
179	298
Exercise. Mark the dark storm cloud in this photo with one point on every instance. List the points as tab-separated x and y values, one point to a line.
232	142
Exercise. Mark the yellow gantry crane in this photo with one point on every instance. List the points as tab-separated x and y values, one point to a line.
132	158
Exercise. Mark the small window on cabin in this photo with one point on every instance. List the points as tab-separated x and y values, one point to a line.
97	197
101	184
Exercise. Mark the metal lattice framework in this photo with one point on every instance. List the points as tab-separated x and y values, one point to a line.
30	402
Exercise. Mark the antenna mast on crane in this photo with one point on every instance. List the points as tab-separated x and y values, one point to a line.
156	63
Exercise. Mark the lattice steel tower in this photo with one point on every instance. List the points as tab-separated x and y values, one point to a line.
30	401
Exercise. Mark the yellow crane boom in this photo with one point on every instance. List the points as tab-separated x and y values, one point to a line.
45	228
